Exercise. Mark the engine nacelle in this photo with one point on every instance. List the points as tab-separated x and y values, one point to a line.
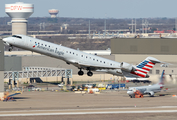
151	93
127	67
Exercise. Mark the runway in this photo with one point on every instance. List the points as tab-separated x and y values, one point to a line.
107	105
159	109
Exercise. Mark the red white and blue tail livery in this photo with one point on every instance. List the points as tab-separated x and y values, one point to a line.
143	68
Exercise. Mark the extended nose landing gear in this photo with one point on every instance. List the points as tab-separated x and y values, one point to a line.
10	48
80	72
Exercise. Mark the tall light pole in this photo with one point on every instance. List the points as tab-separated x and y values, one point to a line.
132	26
135	25
175	25
89	29
142	26
105	27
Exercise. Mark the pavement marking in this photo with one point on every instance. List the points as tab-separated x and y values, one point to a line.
89	109
82	113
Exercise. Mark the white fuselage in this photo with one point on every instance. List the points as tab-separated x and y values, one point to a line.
71	56
145	89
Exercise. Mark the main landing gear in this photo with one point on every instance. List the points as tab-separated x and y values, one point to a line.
89	73
80	72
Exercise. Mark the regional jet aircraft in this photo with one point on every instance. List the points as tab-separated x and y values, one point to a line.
80	59
151	89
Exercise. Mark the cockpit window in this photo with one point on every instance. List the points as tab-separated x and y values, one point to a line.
17	36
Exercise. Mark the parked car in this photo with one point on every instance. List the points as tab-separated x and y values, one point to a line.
32	87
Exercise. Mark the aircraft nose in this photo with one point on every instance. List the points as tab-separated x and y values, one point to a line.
130	92
4	39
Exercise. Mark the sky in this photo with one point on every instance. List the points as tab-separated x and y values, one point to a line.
100	8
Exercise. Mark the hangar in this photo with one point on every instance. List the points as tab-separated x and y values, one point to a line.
132	50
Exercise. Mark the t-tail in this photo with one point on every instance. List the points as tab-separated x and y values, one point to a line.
143	68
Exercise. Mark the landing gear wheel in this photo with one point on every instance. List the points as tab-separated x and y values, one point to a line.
80	73
10	48
89	73
132	96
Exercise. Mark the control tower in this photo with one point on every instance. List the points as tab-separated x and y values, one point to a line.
19	12
53	13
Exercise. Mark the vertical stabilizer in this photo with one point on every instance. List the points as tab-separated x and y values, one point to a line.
146	65
161	81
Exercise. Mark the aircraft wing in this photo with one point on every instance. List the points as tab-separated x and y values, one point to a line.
13	94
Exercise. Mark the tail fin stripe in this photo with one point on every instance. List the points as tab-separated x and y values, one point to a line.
151	63
142	64
149	66
142	71
146	69
141	75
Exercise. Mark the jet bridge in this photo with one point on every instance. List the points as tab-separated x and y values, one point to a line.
37	72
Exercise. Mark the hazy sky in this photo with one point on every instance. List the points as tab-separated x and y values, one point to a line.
101	8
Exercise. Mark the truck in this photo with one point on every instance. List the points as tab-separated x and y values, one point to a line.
115	86
138	81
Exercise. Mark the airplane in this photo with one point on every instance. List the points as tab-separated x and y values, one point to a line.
81	60
151	89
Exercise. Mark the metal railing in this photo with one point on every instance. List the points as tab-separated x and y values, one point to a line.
33	72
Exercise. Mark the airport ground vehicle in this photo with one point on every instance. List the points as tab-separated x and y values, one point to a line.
32	87
138	81
115	86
